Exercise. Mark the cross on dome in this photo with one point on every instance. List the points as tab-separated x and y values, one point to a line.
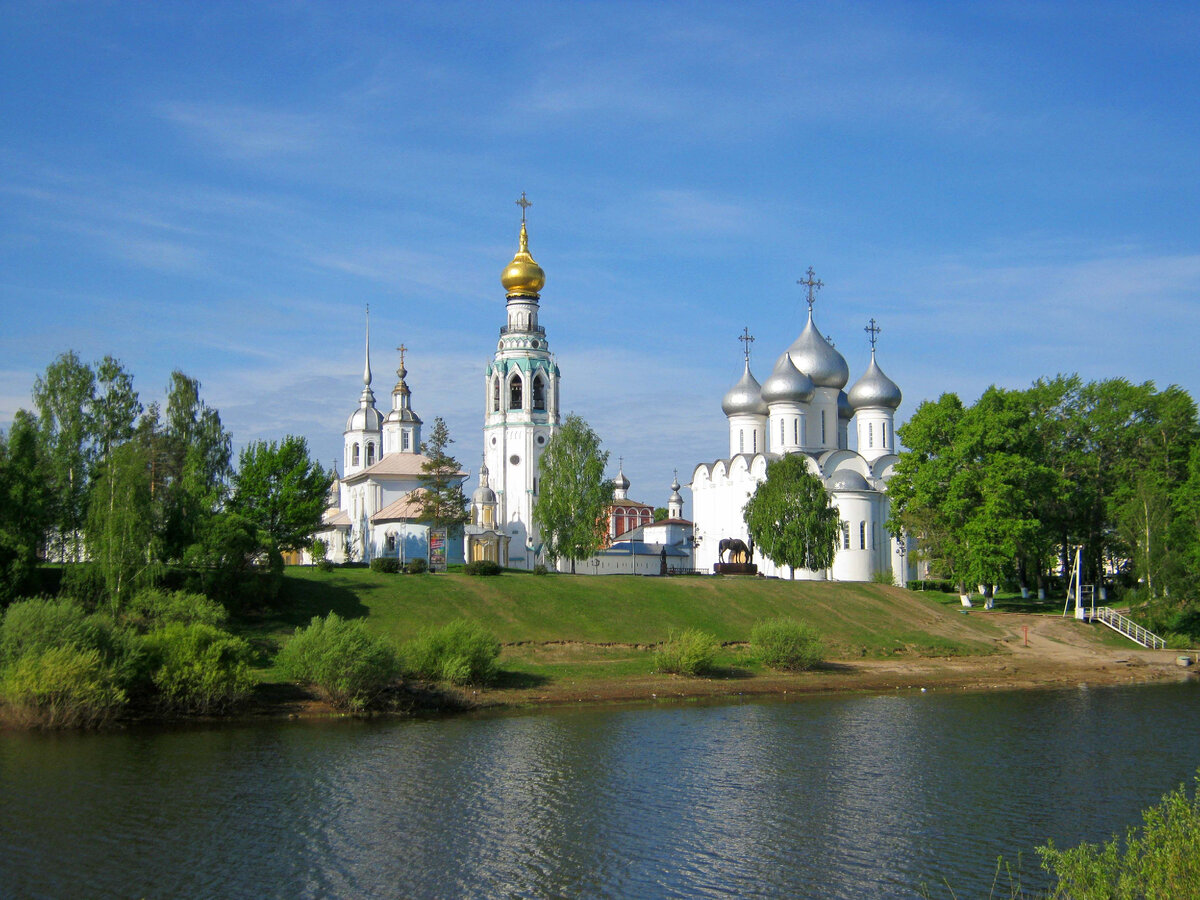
524	204
813	285
873	332
747	339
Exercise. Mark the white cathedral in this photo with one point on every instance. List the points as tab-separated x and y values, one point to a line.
802	408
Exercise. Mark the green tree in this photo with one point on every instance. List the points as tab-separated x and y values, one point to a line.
114	407
790	518
574	495
660	513
63	397
442	502
281	491
120	524
23	506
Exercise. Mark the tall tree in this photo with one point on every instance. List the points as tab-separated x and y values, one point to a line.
63	397
281	491
790	517
24	513
443	504
120	524
574	495
114	407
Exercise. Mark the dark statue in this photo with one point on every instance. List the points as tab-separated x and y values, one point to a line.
738	551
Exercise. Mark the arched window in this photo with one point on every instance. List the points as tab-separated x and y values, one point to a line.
370	453
845	535
354	456
514	392
496	394
391	541
862	535
539	392
870	435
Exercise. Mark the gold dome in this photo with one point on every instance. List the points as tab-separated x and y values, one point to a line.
523	275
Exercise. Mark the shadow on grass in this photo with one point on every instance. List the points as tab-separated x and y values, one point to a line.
726	673
508	680
834	668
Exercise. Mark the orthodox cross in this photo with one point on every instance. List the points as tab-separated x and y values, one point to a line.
747	339
873	330
402	350
524	204
813	285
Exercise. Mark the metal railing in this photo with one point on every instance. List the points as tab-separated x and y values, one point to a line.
1126	626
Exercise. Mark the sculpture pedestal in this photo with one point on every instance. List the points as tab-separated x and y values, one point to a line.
735	569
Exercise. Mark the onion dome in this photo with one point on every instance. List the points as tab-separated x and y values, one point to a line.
848	480
365	418
875	389
745	397
787	383
523	276
845	410
675	497
401	400
813	355
621	483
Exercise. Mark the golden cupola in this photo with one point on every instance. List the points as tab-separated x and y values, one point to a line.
523	276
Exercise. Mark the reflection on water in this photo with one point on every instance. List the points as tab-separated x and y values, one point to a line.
827	797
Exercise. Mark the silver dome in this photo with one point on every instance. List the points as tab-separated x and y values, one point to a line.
812	355
483	494
787	383
745	397
365	418
848	480
621	483
875	389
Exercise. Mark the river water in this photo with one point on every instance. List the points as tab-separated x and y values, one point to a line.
849	796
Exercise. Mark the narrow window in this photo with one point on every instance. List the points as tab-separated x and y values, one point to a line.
741	440
355	462
371	453
874	535
404	440
823	438
514	393
804	433
539	393
781	434
845	535
754	440
870	435
496	394
796	431
885	443
862	535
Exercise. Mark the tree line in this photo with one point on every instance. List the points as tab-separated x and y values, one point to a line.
1004	490
92	474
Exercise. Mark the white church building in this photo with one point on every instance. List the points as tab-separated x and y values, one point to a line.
802	408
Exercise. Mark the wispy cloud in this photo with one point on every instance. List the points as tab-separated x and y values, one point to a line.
245	132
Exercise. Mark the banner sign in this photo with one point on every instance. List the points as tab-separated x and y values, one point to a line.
437	549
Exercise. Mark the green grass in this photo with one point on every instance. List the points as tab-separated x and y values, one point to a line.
522	609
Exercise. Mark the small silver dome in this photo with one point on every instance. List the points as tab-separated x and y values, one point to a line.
875	389
812	355
848	480
745	397
365	418
845	410
621	483
483	494
787	383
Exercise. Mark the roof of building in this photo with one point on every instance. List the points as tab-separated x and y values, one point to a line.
641	548
335	517
407	507
394	464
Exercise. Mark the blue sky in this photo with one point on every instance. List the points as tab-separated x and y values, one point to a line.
1010	189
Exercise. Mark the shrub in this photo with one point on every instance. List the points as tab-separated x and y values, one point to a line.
934	584
418	566
319	551
197	668
386	564
787	644
688	652
883	576
460	653
61	687
84	582
34	626
346	664
539	569
324	565
152	608
482	567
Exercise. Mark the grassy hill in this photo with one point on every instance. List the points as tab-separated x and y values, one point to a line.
608	623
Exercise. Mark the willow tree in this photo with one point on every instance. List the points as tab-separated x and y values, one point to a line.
790	518
574	495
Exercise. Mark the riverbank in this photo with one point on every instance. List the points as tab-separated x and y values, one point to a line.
1031	652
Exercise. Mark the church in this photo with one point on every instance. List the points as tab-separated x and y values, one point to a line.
802	408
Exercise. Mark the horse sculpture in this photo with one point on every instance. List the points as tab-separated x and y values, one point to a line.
738	551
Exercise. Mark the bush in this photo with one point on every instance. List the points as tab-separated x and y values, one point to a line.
346	664
30	627
387	564
61	687
197	668
787	644
539	569
460	653
883	576
934	584
688	652
418	566
482	567
84	582
152	608
324	565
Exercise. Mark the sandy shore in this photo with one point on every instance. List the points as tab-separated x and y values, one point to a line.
1033	651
